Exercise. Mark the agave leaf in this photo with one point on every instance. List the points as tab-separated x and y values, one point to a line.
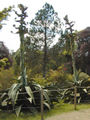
37	86
4	102
19	78
65	91
47	105
14	91
30	99
3	95
79	100
18	109
30	93
11	91
85	90
45	93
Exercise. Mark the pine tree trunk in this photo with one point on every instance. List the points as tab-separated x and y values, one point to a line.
45	55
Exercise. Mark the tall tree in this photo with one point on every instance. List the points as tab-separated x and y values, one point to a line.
44	27
33	56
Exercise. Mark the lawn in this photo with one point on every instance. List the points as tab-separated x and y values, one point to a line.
58	109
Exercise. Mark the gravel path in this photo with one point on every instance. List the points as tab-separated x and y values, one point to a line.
75	115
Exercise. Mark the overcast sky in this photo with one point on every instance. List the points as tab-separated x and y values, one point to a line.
77	10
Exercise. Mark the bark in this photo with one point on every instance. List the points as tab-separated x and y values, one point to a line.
45	55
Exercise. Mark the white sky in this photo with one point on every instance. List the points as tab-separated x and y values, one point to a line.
77	10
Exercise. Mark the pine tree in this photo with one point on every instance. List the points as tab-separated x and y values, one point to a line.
44	28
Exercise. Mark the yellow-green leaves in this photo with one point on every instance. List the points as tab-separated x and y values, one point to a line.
3	62
3	14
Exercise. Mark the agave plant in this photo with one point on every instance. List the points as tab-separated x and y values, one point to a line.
28	98
21	96
83	91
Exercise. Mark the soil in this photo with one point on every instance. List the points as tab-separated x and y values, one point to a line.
75	115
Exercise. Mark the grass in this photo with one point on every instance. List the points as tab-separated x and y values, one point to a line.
58	109
11	116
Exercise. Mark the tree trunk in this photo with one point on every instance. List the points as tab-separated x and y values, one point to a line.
45	55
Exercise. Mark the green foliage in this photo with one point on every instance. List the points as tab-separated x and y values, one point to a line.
38	78
40	57
59	77
33	60
3	15
7	78
44	28
84	79
83	94
19	98
4	62
20	95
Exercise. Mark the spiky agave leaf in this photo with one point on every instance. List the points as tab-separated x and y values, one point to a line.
5	102
14	91
47	105
3	95
30	93
18	109
36	86
45	94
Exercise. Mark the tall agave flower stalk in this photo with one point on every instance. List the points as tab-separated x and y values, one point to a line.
22	30
73	60
71	37
14	98
22	65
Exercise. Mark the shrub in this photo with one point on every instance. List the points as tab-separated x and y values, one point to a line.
59	78
7	77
